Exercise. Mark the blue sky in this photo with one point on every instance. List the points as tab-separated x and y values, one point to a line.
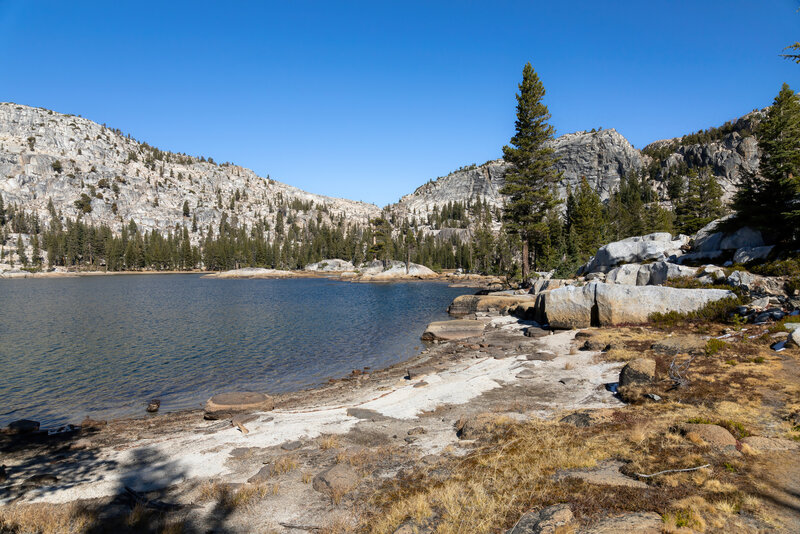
368	100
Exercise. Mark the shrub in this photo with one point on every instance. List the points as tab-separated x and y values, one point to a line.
84	203
713	346
56	165
716	311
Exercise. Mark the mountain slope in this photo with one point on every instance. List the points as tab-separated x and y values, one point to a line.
46	156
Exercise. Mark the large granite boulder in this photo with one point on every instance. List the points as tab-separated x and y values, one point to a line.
652	274
468	304
638	371
570	306
637	249
618	304
748	254
450	330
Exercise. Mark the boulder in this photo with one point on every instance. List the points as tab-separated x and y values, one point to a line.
624	274
634	304
551	520
469	304
748	254
339	479
794	338
708	239
638	371
716	436
638	249
657	273
23	426
450	330
570	306
741	279
225	405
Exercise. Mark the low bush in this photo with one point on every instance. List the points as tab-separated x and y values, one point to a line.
718	311
713	346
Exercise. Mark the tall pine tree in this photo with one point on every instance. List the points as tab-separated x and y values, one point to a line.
770	200
531	179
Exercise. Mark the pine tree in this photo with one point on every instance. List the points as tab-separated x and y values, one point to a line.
185	208
531	179
700	204
771	200
21	251
586	221
2	212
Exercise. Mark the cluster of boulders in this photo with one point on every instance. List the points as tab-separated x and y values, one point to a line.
375	270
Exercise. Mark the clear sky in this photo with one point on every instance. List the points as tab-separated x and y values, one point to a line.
368	100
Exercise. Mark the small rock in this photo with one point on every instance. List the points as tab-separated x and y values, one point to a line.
292	445
416	431
568	380
410	439
340	478
92	424
551	520
420	384
3	475
262	476
153	405
716	436
526	373
794	338
638	371
652	397
583	419
542	355
606	473
23	426
594	345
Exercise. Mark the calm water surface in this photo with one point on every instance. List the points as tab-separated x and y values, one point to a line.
103	346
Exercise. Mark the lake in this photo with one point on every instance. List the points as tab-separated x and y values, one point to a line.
102	346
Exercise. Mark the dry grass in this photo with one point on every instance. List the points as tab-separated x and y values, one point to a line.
328	442
283	464
619	355
569	366
306	477
46	518
498	481
231	498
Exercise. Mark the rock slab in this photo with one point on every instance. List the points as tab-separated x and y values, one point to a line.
225	405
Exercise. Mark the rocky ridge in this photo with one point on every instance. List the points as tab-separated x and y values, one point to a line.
46	156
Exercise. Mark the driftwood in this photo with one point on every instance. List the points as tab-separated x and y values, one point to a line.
673	471
677	372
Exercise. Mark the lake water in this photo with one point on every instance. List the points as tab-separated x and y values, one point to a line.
103	346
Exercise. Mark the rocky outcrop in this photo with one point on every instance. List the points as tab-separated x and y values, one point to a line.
604	157
46	156
649	274
334	265
600	304
252	272
713	244
376	271
637	249
570	307
626	304
450	330
470	304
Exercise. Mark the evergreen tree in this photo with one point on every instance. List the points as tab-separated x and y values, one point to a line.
2	212
21	251
770	201
700	203
586	222
532	176
185	208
